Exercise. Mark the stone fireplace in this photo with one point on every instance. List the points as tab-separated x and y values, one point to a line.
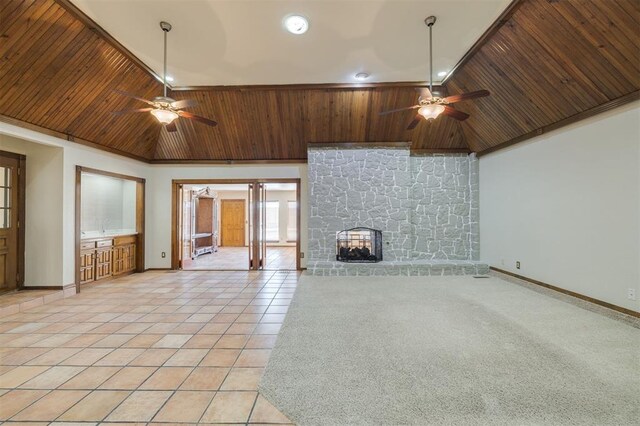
426	208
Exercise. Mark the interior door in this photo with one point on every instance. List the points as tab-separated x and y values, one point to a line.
251	198
11	210
232	223
183	215
262	241
257	211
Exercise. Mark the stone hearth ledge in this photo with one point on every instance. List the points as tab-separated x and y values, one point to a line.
406	268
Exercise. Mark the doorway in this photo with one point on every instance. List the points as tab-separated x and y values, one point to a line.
255	225
280	225
12	211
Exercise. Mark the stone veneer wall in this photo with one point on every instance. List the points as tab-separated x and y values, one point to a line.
426	206
444	211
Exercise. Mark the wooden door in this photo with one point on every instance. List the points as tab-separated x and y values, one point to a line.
232	222
11	214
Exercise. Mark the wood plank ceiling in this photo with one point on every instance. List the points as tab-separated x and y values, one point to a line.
545	62
268	123
550	61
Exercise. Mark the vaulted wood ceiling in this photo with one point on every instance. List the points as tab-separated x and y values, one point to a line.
545	63
551	60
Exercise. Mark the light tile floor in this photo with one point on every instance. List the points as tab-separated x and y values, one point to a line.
236	258
161	347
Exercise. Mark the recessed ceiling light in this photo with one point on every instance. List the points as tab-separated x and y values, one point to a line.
442	73
169	78
296	24
362	76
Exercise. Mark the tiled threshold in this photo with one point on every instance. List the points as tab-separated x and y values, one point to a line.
20	301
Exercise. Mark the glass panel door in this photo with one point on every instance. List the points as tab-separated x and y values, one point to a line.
257	228
11	244
183	218
262	243
251	220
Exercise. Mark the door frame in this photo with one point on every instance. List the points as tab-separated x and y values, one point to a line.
244	219
21	210
140	216
176	186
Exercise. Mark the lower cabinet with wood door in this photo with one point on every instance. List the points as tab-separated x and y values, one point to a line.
105	257
124	254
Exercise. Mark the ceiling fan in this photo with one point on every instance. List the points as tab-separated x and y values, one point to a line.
164	108
430	107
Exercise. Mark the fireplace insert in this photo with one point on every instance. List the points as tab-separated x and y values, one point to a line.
359	245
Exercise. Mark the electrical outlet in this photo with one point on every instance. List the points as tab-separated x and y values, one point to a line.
301	255
518	264
631	293
163	255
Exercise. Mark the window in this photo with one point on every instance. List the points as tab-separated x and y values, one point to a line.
292	218
272	221
5	197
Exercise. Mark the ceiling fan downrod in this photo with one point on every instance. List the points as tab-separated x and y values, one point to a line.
429	21
166	27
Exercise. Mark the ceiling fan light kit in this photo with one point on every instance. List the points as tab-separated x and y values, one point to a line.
431	112
165	116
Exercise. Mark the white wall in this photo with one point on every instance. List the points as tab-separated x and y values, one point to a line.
108	203
56	203
61	178
43	216
159	199
567	206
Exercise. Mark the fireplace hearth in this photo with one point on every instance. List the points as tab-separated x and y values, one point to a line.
359	245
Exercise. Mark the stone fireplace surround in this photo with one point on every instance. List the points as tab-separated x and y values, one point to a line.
426	207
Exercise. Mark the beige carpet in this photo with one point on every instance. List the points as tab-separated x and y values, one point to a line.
449	350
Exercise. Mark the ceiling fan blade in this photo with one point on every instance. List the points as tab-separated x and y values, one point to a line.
184	103
130	95
414	122
186	114
129	111
171	127
425	93
399	109
454	113
466	96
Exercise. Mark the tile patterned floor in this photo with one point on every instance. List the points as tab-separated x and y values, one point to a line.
234	258
160	347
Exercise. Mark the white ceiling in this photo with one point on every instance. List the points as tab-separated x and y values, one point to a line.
242	42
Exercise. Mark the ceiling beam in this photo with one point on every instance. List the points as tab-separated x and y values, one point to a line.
359	145
227	162
311	86
420	152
